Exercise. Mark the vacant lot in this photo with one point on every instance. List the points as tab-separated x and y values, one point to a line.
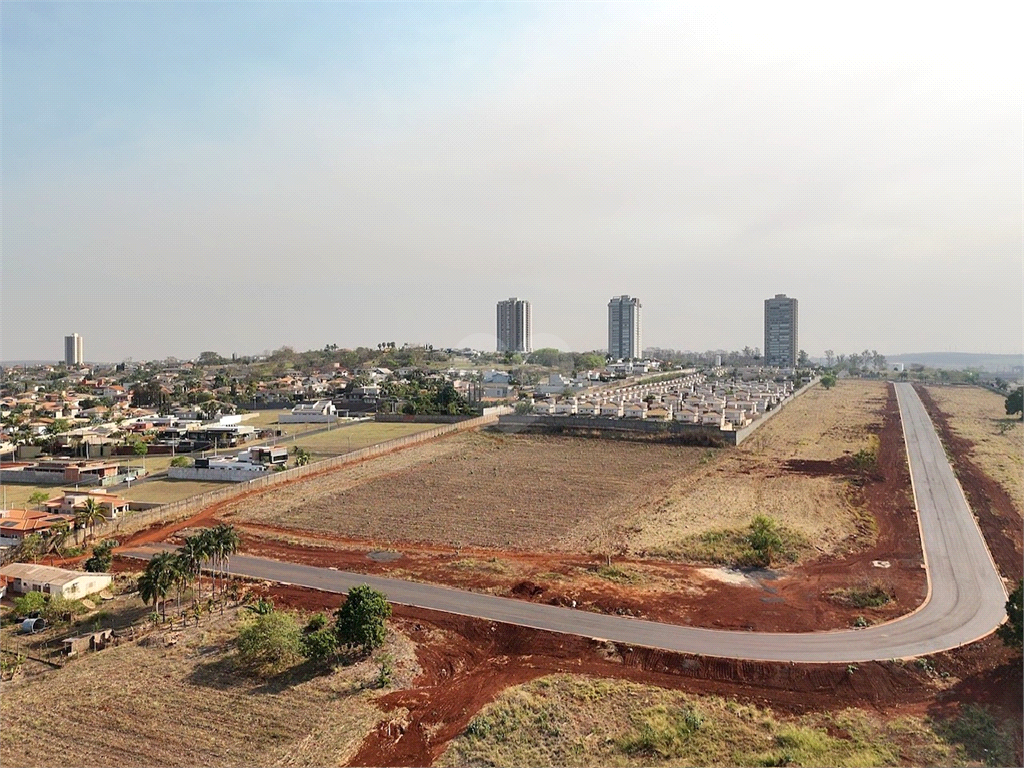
820	425
147	703
166	490
979	416
483	489
569	720
582	494
341	440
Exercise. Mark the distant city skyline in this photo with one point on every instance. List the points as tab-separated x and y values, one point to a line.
180	177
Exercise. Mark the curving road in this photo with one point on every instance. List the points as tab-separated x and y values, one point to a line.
965	600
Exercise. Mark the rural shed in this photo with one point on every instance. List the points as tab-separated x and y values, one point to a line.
25	577
94	641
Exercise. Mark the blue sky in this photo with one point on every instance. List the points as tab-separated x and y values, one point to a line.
239	176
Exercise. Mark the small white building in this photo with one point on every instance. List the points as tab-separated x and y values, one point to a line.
26	577
634	411
587	408
612	409
566	407
320	412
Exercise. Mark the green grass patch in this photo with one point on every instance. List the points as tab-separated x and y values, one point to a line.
980	735
564	720
493	565
617	574
871	596
732	547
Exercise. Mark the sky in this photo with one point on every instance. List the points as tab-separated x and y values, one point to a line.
236	177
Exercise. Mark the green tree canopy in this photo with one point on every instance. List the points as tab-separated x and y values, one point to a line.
362	620
828	380
270	643
1015	402
1012	632
764	539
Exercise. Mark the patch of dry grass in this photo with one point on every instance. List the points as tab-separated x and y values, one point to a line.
578	721
341	440
167	490
144	703
739	484
485	489
979	415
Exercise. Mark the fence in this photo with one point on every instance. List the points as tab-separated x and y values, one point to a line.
178	510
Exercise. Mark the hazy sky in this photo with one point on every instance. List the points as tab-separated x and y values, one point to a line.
238	176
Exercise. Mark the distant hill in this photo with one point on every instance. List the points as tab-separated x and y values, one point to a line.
960	360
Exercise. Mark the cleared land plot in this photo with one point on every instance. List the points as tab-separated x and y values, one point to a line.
341	440
979	415
567	720
820	425
147	704
167	490
484	489
582	494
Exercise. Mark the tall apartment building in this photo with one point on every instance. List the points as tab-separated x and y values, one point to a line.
781	343
515	326
73	350
624	328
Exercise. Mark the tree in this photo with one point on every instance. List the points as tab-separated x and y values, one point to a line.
55	538
764	540
320	644
157	579
141	449
1015	402
224	542
828	380
102	556
30	548
830	357
29	603
803	360
38	498
1012	632
57	427
194	552
362	620
181	461
270	643
301	456
87	516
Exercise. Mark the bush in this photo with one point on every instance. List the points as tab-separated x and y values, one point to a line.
362	620
320	645
316	621
60	610
270	643
101	558
29	603
181	461
1012	632
764	539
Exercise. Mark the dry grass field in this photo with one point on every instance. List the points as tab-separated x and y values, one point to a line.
148	704
579	721
979	415
165	490
484	489
746	481
582	494
346	439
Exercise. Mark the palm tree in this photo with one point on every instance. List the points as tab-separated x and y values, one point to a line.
56	538
90	512
193	553
225	542
157	580
180	574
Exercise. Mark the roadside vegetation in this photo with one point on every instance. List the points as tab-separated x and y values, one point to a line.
762	544
869	596
566	720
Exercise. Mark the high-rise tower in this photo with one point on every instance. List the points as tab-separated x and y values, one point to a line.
73	350
515	326
781	342
624	340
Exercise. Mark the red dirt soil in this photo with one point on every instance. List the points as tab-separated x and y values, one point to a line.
796	601
992	506
467	662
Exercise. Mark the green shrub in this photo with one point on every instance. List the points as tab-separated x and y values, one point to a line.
60	610
181	461
320	645
29	603
980	735
662	733
270	643
362	620
101	558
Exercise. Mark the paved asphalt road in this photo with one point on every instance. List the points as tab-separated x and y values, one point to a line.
966	598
